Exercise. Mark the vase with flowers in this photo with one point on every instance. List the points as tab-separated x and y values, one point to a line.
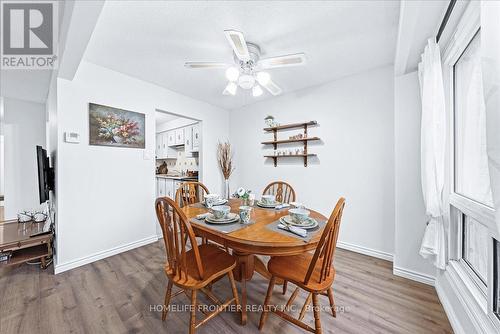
225	160
245	195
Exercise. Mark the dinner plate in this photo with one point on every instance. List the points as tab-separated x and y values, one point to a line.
219	202
310	223
265	205
231	218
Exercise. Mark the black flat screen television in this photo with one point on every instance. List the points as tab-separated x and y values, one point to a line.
45	174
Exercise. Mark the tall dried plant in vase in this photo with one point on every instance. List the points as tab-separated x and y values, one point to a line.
225	159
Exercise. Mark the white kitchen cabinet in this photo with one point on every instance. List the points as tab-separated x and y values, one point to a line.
171	138
176	185
196	137
188	141
179	136
159	142
169	189
160	181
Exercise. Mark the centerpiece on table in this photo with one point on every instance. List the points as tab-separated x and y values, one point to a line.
225	160
245	195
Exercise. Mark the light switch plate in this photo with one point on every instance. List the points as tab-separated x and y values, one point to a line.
72	137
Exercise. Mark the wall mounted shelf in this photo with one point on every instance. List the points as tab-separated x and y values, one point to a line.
305	139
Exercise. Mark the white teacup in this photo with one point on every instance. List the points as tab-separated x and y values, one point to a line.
221	211
211	199
299	215
297	205
268	199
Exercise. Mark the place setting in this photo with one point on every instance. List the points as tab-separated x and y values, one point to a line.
222	219
297	223
270	202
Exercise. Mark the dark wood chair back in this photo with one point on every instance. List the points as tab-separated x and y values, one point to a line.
176	230
283	191
326	246
190	192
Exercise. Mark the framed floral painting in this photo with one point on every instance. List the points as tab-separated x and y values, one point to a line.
116	127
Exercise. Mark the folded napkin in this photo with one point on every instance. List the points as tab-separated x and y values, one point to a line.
282	206
202	216
294	229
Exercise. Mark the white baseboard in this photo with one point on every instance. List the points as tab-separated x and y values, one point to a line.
365	250
414	276
61	267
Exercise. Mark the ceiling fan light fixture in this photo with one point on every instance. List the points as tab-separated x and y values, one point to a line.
230	89
263	78
232	74
246	81
256	91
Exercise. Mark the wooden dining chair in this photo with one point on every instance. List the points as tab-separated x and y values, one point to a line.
191	270
283	191
190	192
313	273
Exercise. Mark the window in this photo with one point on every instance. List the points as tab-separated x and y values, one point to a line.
475	247
472	178
471	175
496	278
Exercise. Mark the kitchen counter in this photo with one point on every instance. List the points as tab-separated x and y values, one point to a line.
181	178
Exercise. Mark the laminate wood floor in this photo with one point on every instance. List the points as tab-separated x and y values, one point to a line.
119	294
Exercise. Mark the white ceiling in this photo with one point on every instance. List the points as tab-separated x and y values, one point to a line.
163	117
151	40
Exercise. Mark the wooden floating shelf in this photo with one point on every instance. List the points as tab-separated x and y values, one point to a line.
305	139
291	126
284	141
305	156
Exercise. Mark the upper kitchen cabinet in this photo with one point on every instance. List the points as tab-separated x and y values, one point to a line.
179	136
196	137
171	138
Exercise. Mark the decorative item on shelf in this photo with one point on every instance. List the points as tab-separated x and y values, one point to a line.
163	168
225	160
296	137
5	256
269	120
31	217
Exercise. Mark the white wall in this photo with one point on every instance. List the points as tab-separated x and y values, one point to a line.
106	195
410	215
355	159
24	126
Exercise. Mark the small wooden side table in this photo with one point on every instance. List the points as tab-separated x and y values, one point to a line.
17	237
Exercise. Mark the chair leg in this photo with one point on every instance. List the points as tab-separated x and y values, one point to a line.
264	314
303	310
285	284
166	303
332	302
235	291
316	310
192	322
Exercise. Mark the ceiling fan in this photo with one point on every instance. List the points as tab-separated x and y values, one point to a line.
248	70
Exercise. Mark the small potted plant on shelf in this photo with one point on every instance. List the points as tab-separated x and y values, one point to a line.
269	121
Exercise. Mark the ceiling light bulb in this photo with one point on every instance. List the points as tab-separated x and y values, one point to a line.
232	74
256	91
263	78
231	88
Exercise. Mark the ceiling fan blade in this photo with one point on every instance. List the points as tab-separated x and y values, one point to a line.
296	59
202	64
238	43
272	88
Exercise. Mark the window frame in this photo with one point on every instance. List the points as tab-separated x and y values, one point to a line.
460	205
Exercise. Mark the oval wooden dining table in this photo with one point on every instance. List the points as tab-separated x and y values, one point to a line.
253	239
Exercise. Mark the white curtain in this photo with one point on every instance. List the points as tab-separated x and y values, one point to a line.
490	49
433	145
